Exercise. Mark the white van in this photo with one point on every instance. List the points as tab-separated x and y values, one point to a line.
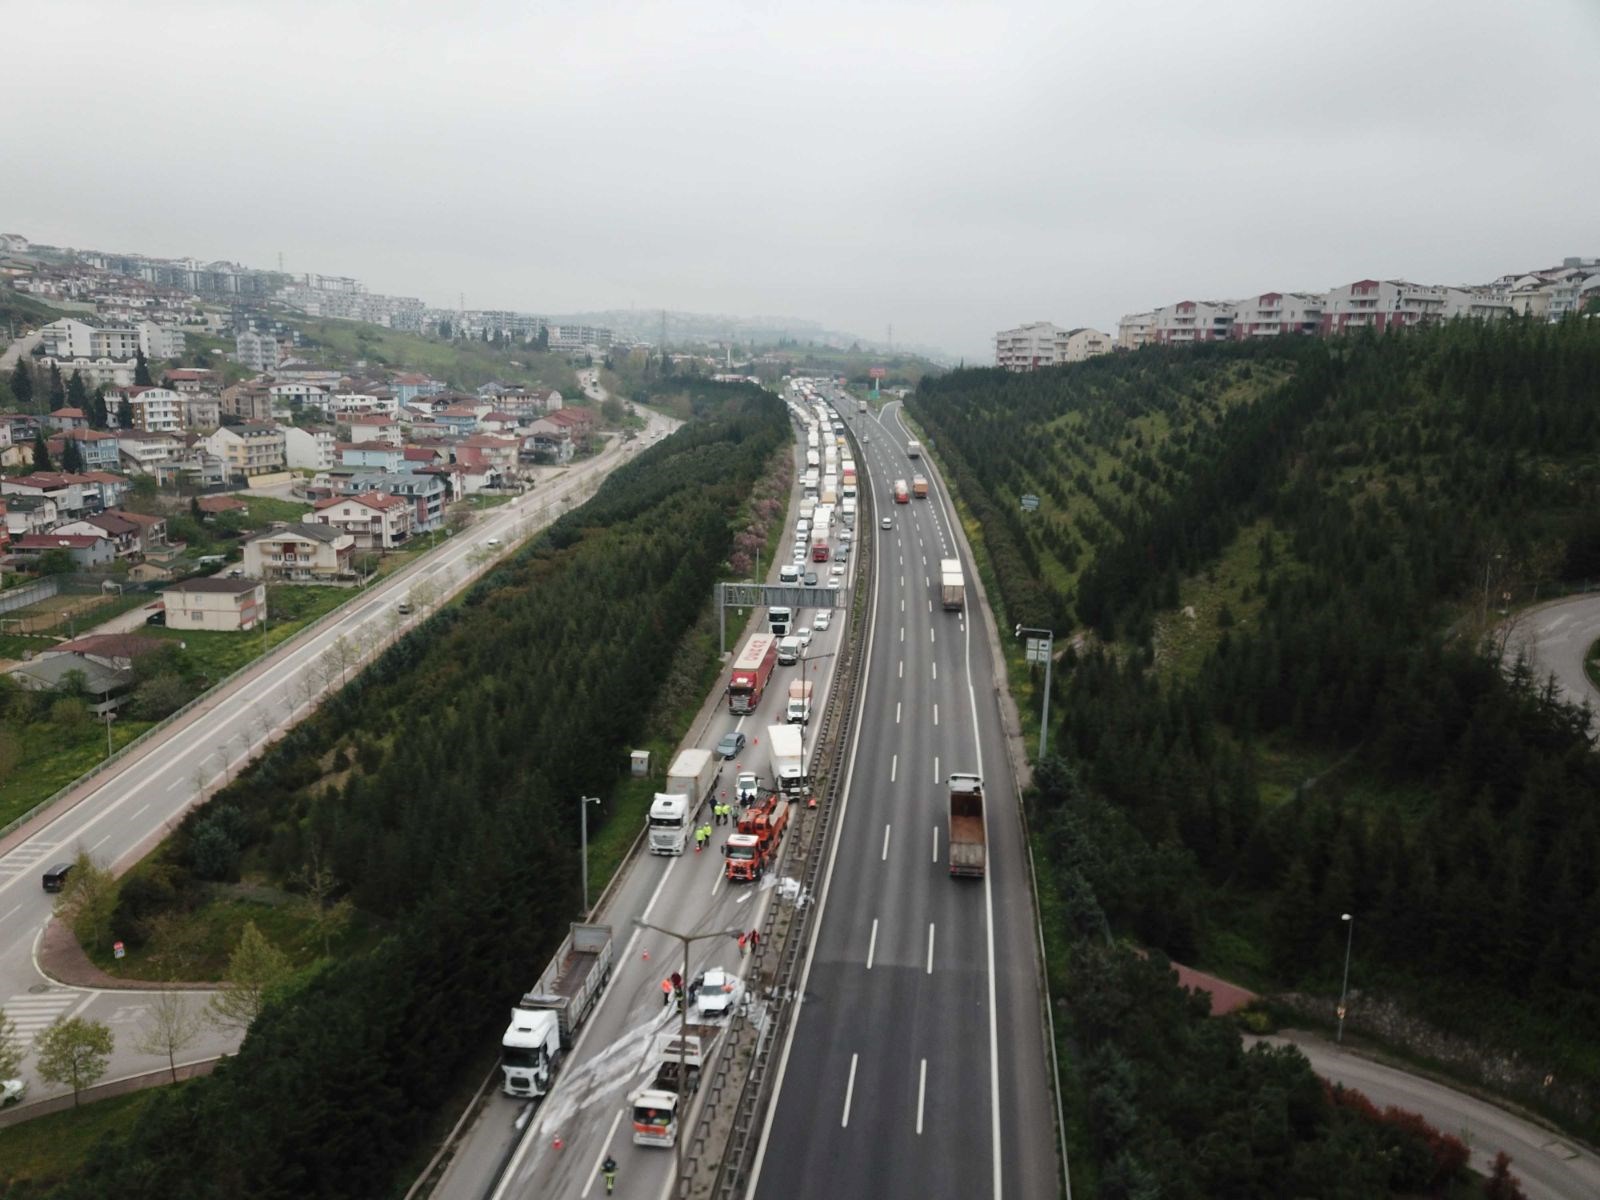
788	573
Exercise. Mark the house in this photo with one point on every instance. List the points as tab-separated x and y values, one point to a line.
87	551
376	520
374	427
152	529
562	431
498	422
68	418
289	395
423	456
142	452
98	451
124	534
30	514
253	448
379	400
115	651
65	491
202	411
426	494
556	442
213	506
215	603
524	402
495	451
308	448
371	456
409	387
192	381
249	401
155	409
103	489
461	419
303	553
105	687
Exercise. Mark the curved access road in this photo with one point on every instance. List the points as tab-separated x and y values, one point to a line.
1555	637
1549	1166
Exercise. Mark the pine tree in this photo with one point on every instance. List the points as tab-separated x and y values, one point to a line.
125	413
71	457
58	389
41	453
22	383
99	414
77	394
141	372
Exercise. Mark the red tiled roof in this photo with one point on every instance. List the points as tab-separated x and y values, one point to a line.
100	477
376	500
74	413
56	541
144	520
111	645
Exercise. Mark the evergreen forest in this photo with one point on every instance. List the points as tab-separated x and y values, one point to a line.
438	789
1287	579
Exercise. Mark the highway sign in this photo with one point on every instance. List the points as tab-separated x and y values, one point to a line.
1037	650
1031	503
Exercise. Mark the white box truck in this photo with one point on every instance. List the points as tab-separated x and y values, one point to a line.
913	449
693	777
784	746
952	587
799	711
544	1020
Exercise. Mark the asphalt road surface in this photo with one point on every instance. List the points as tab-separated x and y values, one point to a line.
1550	1167
586	1110
1555	637
918	1059
125	812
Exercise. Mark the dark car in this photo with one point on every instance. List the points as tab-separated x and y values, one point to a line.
732	742
156	618
56	877
811	579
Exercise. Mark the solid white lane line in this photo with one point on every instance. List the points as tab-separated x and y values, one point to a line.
922	1091
935	843
872	942
884	857
9	915
849	1088
176	784
100	843
930	947
894	765
601	1153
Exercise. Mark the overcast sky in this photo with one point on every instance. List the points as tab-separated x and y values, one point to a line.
947	169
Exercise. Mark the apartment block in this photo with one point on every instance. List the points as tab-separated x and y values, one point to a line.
1191	321
258	351
249	449
1273	314
1382	304
1133	330
1042	344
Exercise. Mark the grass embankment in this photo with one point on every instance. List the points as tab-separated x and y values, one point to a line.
50	756
39	1153
460	364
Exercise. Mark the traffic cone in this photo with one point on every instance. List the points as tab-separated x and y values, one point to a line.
558	1143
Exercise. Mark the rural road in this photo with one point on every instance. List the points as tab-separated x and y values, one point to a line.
1555	637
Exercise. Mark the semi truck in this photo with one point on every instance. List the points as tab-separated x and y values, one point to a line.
693	777
778	618
677	1059
952	588
919	487
751	670
784	746
967	846
544	1020
913	449
799	711
902	494
819	537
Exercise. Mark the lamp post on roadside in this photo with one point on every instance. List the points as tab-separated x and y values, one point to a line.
1040	650
683	1024
1349	936
110	717
583	810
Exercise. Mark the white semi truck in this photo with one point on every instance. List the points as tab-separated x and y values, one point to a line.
691	780
952	587
544	1020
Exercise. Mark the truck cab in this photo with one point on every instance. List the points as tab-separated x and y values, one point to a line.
669	821
529	1052
746	860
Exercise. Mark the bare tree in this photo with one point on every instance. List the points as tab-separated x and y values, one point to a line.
173	1026
328	917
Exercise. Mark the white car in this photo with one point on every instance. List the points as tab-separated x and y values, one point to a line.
845	534
804	634
887	523
835	571
12	1091
748	789
713	992
491	541
822	620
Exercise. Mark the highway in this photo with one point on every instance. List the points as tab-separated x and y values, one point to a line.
586	1112
917	1062
124	813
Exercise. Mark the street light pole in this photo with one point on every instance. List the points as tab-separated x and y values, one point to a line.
1350	933
1034	653
583	810
683	1026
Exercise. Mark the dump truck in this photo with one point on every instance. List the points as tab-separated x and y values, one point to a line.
952	587
677	1058
691	780
784	747
919	487
544	1021
967	844
799	712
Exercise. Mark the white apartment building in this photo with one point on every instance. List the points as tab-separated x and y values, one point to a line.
1133	330
1273	314
1042	344
345	402
1191	321
1382	304
578	337
155	409
72	338
160	341
377	521
231	605
309	449
1475	304
258	351
287	394
249	449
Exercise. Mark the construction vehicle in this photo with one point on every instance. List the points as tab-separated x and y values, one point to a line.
967	841
952	587
544	1020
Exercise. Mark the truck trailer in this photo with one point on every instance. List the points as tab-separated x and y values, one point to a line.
913	449
952	587
751	670
784	746
544	1021
967	843
691	780
919	487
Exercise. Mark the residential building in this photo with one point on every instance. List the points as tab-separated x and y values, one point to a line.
1382	305
1475	304
67	492
155	409
227	605
250	401
1191	321
152	529
523	402
87	551
143	452
30	514
213	506
257	351
1133	330
371	456
1082	344
114	651
99	451
102	489
72	338
201	411
309	448
461	419
375	427
1273	314
304	553
554	441
409	387
192	381
1028	347
253	448
160	341
377	521
68	418
495	451
124	534
105	687
289	394
580	337
373	402
426	494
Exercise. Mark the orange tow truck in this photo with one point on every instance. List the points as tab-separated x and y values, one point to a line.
755	845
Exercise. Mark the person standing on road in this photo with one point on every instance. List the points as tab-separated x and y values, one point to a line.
608	1172
699	839
742	938
666	992
755	939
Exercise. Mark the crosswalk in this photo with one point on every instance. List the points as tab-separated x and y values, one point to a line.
26	857
33	1012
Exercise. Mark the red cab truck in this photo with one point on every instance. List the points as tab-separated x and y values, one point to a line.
751	670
